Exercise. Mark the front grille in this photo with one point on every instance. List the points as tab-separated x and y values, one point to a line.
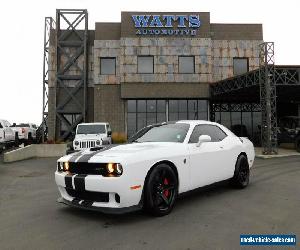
87	144
87	168
88	195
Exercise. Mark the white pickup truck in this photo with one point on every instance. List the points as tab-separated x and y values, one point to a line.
29	132
7	134
89	135
19	134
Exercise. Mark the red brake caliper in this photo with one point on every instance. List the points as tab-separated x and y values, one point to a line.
166	192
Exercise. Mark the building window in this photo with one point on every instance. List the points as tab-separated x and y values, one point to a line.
244	121
145	64
141	113
240	66
186	64
188	110
107	65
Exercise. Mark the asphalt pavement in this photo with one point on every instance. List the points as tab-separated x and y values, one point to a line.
210	218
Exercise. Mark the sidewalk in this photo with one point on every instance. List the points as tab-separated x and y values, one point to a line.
282	152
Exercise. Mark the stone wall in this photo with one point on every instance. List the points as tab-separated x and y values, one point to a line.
109	107
106	48
213	58
223	52
165	52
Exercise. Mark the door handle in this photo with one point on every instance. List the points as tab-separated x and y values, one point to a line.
221	147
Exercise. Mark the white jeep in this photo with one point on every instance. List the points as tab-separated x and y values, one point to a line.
90	135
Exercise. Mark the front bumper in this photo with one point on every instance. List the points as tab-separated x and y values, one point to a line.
107	210
81	190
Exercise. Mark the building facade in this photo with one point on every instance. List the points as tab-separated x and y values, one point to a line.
155	67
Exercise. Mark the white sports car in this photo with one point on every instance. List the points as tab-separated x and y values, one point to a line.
164	161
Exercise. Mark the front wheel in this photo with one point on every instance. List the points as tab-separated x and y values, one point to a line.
241	173
161	189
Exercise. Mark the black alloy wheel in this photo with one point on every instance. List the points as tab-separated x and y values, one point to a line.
161	189
241	173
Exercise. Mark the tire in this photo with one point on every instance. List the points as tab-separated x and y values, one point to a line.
161	189
17	141
242	173
297	144
29	140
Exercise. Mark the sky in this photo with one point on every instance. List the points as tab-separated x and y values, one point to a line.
22	24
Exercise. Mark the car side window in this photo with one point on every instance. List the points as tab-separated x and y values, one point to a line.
1	125
216	133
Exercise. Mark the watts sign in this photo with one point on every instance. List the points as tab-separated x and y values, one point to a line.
177	25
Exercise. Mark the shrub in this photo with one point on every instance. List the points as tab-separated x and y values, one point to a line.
118	137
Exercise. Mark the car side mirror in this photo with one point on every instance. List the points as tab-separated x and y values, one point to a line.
202	139
109	133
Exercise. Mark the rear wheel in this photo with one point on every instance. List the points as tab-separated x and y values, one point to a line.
161	190
29	139
241	173
17	141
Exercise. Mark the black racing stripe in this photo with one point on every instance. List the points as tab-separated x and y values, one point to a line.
75	156
87	203
68	181
79	182
87	157
76	201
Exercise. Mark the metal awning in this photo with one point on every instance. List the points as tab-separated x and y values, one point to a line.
245	88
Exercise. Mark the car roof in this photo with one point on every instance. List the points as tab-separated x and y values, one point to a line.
93	123
197	122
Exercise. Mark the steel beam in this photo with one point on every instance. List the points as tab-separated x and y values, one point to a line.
49	27
71	71
268	99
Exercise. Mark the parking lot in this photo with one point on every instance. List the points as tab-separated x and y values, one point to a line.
210	218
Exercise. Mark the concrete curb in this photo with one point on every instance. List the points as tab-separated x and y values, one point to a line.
282	152
35	150
275	156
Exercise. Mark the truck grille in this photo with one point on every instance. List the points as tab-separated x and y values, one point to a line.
88	195
87	144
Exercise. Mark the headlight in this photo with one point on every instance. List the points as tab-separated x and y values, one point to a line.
66	166
63	166
98	142
114	169
76	143
60	166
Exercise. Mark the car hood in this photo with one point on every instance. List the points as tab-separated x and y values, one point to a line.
132	152
85	137
132	148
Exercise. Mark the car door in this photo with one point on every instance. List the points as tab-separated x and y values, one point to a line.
208	161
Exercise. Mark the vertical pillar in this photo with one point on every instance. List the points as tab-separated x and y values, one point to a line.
268	98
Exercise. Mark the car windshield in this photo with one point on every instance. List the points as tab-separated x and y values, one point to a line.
91	129
166	133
